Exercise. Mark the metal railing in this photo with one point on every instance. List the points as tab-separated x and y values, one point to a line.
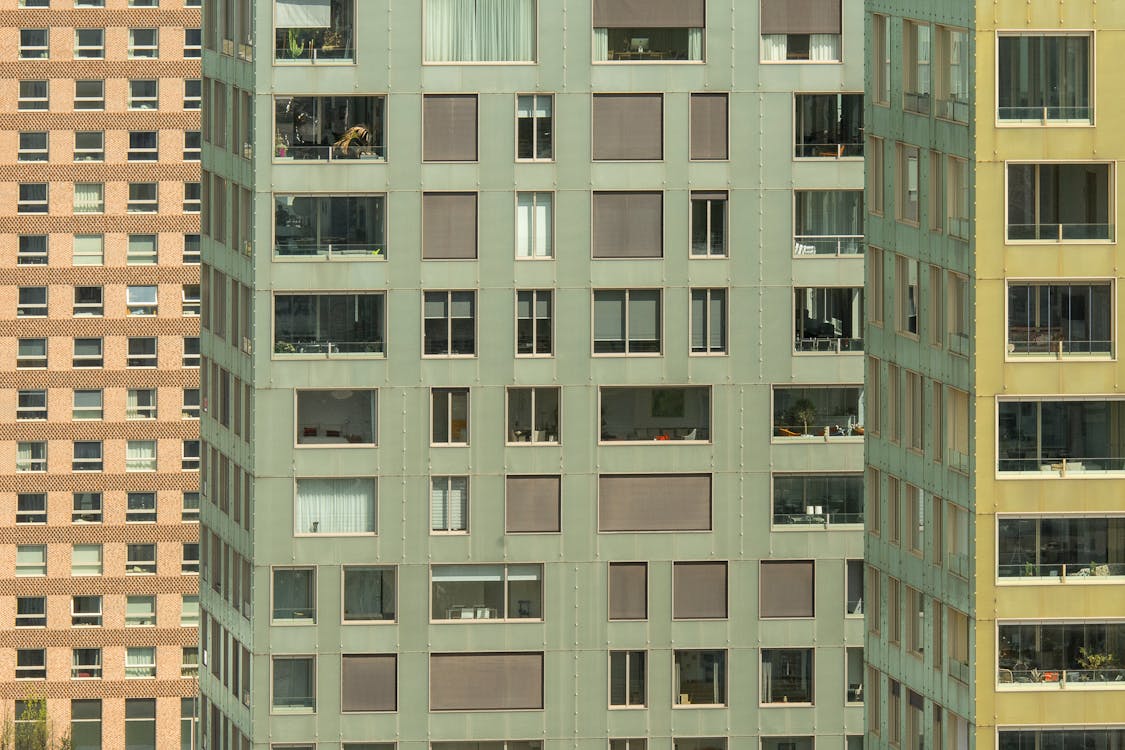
834	344
1047	341
817	519
806	150
1061	571
349	251
329	152
1062	466
1044	114
832	426
327	348
827	244
1058	676
1060	232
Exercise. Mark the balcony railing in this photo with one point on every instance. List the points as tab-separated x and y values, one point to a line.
337	250
830	345
1058	677
331	152
827	244
327	348
829	150
817	517
1044	114
953	109
1060	232
1062	571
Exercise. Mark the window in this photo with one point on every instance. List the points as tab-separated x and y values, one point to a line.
141	352
347	226
808	32
87	353
189	610
533	415
906	202
1060	548
627	321
913	411
880	60
34	44
294	594
140	611
140	559
294	684
32	96
140	662
486	681
532	504
534	322
957	313
1012	738
786	588
853	597
486	592
32	250
142	197
449	504
708	321
894	605
32	146
89	145
628	591
877	173
1060	202
663	415
628	127
535	127
85	724
32	198
456	32
143	94
307	32
1060	319
140	507
86	611
89	198
936	323
142	145
140	723
916	67
31	508
828	411
958	635
534	225
143	43
140	455
87	507
189	669
829	126
1061	436
31	353
193	145
1045	79
336	506
191	249
31	405
369	682
450	323
336	417
31	560
191	355
654	502
957	197
190	408
369	594
708	223
916	621
450	226
701	678
31	611
329	324
87	456
88	95
193	198
828	319
699	590
951	76
828	222
627	679
31	664
89	44
906	295
625	32
189	300
190	512
193	93
88	249
190	456
449	127
140	300
31	456
812	501
787	675
628	225
709	127
193	43
302	124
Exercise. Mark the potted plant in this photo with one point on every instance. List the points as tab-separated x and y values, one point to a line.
284	347
1094	661
296	44
333	41
804	411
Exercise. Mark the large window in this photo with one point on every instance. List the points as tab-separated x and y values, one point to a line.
655	414
951	74
1061	547
313	30
1060	319
800	32
654	502
336	506
294	684
369	594
487	592
916	67
817	499
329	127
294	594
86	724
1059	202
1061	437
486	681
627	321
660	30
787	675
829	126
828	222
352	226
700	678
1053	654
140	723
827	411
328	324
336	417
481	31
533	415
828	319
1033	739
1044	79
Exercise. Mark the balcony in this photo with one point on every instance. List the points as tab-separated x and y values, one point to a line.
329	128
345	227
1057	655
828	320
309	31
329	324
828	223
1079	548
829	126
656	415
1060	320
1044	79
1061	438
817	500
827	412
1060	202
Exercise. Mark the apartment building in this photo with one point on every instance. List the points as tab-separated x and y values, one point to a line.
994	481
533	405
99	358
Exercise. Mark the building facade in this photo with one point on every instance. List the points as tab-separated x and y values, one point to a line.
532	341
99	204
995	452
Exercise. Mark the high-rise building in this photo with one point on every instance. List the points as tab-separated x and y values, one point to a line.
533	374
99	508
996	440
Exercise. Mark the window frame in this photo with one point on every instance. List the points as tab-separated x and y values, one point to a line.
534	127
627	291
467	514
629	655
535	321
1091	67
449	318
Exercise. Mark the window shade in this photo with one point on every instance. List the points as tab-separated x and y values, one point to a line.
533	504
628	127
709	126
369	682
649	14
489	681
654	502
449	127
628	591
302	14
786	588
800	17
449	223
628	225
699	590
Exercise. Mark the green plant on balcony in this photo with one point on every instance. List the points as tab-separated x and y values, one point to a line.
1095	661
284	347
804	411
296	44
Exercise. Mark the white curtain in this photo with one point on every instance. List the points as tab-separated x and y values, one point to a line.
139	662
449	503
363	594
140	455
695	44
141	608
824	47
773	47
601	45
533	222
335	506
480	30
88	197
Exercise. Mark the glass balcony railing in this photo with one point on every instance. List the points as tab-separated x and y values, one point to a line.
833	244
1057	653
817	499
1062	547
1064	438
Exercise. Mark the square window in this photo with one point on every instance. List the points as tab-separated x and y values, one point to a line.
142	197
31	456
627	321
140	559
89	198
449	323
140	662
140	611
337	417
31	405
306	23
86	560
89	44
89	145
1060	202
193	143
787	675
87	353
1045	78
31	508
88	250
32	250
294	684
143	43
533	415
190	512
140	507
32	302
31	611
294	595
32	198
143	94
140	455
535	127
193	93
369	594
828	126
190	456
31	664
449	504
31	560
88	301
87	456
142	145
31	354
32	96
32	146
140	403
140	300
190	408
88	95
702	678
87	507
142	250
35	44
87	404
449	127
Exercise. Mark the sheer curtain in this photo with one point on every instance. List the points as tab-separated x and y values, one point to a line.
533	223
335	506
774	47
695	44
601	45
88	197
480	30
139	662
140	455
824	47
364	595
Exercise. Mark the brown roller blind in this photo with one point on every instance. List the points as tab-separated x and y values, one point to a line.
708	195
449	225
699	590
800	16
786	588
369	682
649	14
709	126
449	127
482	682
654	502
628	127
533	504
628	225
628	591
